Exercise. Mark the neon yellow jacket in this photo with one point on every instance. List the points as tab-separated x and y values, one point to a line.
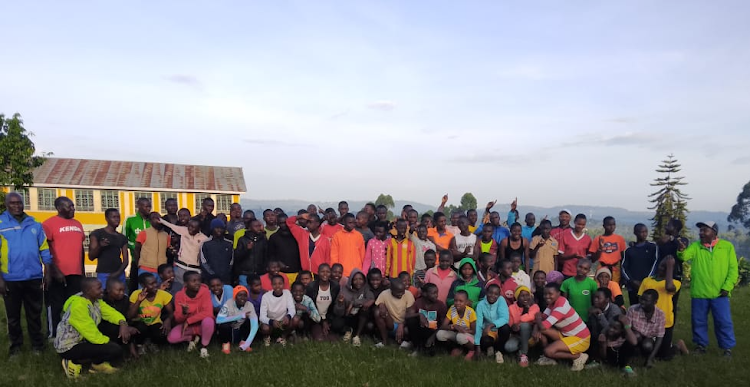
712	270
81	320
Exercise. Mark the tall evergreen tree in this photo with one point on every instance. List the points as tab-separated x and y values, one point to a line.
669	201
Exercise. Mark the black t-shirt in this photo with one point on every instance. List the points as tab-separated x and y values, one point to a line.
110	259
205	223
670	248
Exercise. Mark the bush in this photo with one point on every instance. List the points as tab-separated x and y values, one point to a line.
744	272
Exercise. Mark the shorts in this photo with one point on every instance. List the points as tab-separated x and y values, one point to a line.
395	327
576	344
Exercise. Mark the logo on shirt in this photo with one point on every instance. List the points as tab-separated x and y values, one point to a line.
585	292
33	231
70	229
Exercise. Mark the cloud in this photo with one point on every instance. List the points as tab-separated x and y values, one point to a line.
494	156
623	120
741	160
383	105
184	79
637	139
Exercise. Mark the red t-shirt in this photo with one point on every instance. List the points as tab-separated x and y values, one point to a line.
507	288
568	244
265	282
65	237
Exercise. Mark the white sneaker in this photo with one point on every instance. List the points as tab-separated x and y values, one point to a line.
545	361
580	363
499	359
405	345
204	353
347	336
266	341
192	345
379	345
356	341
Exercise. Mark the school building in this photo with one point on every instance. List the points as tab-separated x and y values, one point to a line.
95	185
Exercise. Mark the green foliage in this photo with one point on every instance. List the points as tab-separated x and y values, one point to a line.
744	271
668	201
468	202
741	210
386	200
17	155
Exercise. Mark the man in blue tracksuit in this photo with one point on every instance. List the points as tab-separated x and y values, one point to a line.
23	251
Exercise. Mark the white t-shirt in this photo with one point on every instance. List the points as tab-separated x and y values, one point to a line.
462	242
323	301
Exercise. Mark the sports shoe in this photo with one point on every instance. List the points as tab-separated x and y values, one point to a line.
499	358
72	370
142	349
579	363
490	352
204	353
347	336
379	345
523	361
628	372
456	352
469	356
226	348
593	365
728	353
405	345
242	344
266	341
356	341
104	368
281	341
193	343
545	361
699	350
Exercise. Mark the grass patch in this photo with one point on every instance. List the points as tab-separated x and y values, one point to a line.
314	364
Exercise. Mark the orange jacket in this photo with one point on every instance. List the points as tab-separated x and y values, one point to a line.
348	249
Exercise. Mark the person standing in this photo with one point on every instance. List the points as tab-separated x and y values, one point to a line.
714	273
133	226
188	255
109	248
314	247
65	237
217	255
348	247
206	216
283	247
236	222
22	256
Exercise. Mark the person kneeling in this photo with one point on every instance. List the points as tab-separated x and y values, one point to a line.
492	318
194	315
78	336
307	313
237	321
617	344
276	312
522	315
459	325
561	330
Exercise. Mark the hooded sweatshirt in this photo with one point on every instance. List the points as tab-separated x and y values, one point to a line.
352	297
474	286
495	315
199	308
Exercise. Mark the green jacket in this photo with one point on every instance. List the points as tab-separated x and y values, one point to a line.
711	271
133	226
474	287
81	320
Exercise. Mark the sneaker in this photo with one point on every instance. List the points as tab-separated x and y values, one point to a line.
266	341
226	348
104	368
728	353
682	347
379	345
499	358
456	352
72	370
193	343
545	361
405	345
490	352
142	349
347	336
281	341
628	372
356	341
593	365
699	350
204	353
579	363
242	345
523	361
469	356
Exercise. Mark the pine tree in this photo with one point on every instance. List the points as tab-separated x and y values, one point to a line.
668	202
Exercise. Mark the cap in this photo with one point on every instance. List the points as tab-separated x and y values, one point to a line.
566	211
709	224
603	270
217	223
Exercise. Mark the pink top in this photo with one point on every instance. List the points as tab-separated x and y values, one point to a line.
375	255
443	284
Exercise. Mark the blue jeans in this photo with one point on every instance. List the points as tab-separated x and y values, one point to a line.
723	327
103	277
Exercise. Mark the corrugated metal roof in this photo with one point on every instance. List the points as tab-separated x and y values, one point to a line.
78	173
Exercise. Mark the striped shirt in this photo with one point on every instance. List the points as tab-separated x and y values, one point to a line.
401	256
563	317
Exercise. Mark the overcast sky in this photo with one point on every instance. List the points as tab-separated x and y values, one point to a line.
559	102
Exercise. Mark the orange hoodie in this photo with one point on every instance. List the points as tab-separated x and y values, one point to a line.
348	249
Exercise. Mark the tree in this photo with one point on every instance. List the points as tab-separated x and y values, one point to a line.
17	156
668	202
741	211
386	200
468	202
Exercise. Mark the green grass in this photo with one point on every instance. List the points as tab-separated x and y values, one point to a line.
313	364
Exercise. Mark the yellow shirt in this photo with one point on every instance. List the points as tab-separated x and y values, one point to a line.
149	312
469	317
665	299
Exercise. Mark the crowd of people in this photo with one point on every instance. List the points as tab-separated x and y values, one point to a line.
473	287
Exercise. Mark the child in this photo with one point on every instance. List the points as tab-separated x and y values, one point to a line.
555	276
506	282
485	244
515	243
467	282
648	323
617	344
391	314
193	315
422	319
358	299
522	314
429	262
487	264
325	293
464	241
459	325
401	253
115	297
544	249
406	279
377	247
519	275
376	283
607	250
540	280
639	262
602	312
237	321
573	245
422	245
337	274
305	277
276	312
220	293
256	292
348	245
561	330
580	289
109	248
274	268
603	279
492	320
666	287
443	275
307	313
168	284
151	309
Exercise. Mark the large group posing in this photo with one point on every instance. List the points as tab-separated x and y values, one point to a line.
474	288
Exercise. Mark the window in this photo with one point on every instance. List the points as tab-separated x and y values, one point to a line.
110	199
86	242
84	200
138	195
163	196
46	199
26	197
223	203
199	202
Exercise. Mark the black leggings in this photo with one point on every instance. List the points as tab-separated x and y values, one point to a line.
417	333
227	334
620	357
503	334
94	353
152	332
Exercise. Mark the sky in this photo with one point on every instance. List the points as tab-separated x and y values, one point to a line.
553	102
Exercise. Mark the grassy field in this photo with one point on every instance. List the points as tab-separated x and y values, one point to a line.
313	364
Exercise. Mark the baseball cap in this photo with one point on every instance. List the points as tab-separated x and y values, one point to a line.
708	224
565	210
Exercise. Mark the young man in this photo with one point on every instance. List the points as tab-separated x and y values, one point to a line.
78	337
439	235
348	247
418	237
251	253
401	253
283	247
499	232
602	312
205	216
574	244
557	231
133	227
188	255
561	330
463	243
648	323
109	248
714	274
23	254
314	247
608	250
170	205
343	210
391	314
543	249
638	262
235	222
423	317
363	226
331	225
247	218
269	217
151	246
580	289
217	255
65	237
